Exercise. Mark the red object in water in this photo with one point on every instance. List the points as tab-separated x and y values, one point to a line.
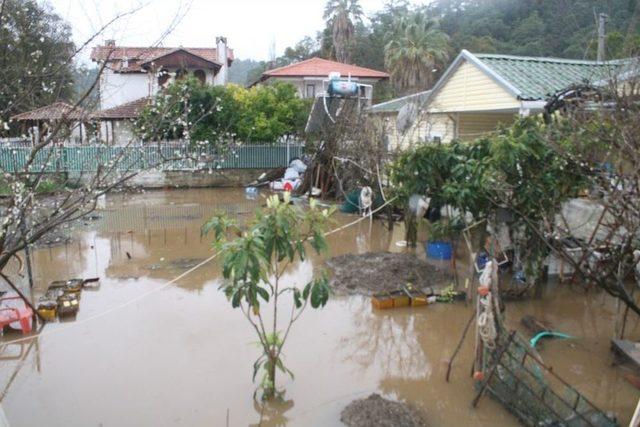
483	291
12	310
478	375
288	186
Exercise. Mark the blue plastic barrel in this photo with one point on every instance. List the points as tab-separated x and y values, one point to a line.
439	250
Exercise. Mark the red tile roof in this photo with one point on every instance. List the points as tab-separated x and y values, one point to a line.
130	110
318	67
55	111
139	55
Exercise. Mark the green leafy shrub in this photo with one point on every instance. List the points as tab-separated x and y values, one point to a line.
515	169
254	263
216	115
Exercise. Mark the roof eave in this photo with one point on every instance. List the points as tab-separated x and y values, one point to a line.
320	76
468	56
215	64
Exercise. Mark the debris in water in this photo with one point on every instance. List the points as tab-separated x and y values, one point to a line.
375	411
511	371
15	313
177	264
68	305
92	284
372	273
47	309
627	350
540	330
405	297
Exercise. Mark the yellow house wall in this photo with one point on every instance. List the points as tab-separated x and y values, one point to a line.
447	126
471	126
424	130
470	89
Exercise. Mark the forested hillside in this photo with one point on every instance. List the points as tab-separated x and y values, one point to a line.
564	28
403	32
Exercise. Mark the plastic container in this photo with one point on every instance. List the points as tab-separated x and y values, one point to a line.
48	310
400	299
439	250
343	88
382	301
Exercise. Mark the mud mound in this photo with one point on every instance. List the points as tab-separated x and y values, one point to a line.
369	273
375	411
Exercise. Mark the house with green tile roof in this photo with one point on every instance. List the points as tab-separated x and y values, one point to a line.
480	91
393	106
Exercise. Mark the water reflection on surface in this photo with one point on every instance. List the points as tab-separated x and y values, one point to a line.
182	356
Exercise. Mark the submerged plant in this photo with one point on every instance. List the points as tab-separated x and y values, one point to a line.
254	263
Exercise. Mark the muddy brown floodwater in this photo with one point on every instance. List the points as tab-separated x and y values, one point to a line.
183	356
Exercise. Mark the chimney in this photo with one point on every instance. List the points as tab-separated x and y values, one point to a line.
110	43
221	47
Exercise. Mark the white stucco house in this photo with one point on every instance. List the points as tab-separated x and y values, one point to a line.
308	75
133	75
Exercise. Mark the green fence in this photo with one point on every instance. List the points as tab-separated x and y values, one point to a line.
130	158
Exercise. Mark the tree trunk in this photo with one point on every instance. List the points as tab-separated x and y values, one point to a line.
411	227
270	390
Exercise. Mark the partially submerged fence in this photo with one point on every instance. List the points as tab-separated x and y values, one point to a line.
80	159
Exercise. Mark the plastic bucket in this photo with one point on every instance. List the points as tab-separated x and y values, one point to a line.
439	250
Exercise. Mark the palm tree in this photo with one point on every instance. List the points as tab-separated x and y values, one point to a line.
340	16
414	51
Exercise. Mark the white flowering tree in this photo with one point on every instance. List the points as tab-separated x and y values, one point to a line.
38	60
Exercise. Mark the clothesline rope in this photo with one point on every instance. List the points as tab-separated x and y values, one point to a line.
161	287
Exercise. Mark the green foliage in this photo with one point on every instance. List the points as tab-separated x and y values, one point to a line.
242	71
341	17
304	49
254	262
447	295
35	59
536	28
415	50
444	230
518	27
515	169
269	112
217	114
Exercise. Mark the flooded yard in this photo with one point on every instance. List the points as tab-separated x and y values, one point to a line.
180	355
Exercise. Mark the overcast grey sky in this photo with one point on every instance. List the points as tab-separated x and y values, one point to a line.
249	25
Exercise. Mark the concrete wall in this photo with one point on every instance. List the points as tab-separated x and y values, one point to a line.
120	88
118	131
196	179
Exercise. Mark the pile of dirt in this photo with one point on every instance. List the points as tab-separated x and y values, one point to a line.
375	411
370	273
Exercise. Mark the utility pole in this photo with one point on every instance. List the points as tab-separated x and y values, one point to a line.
602	19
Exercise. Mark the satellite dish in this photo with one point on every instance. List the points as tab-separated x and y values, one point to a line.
407	117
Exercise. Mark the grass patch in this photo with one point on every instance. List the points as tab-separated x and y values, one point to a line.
44	187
